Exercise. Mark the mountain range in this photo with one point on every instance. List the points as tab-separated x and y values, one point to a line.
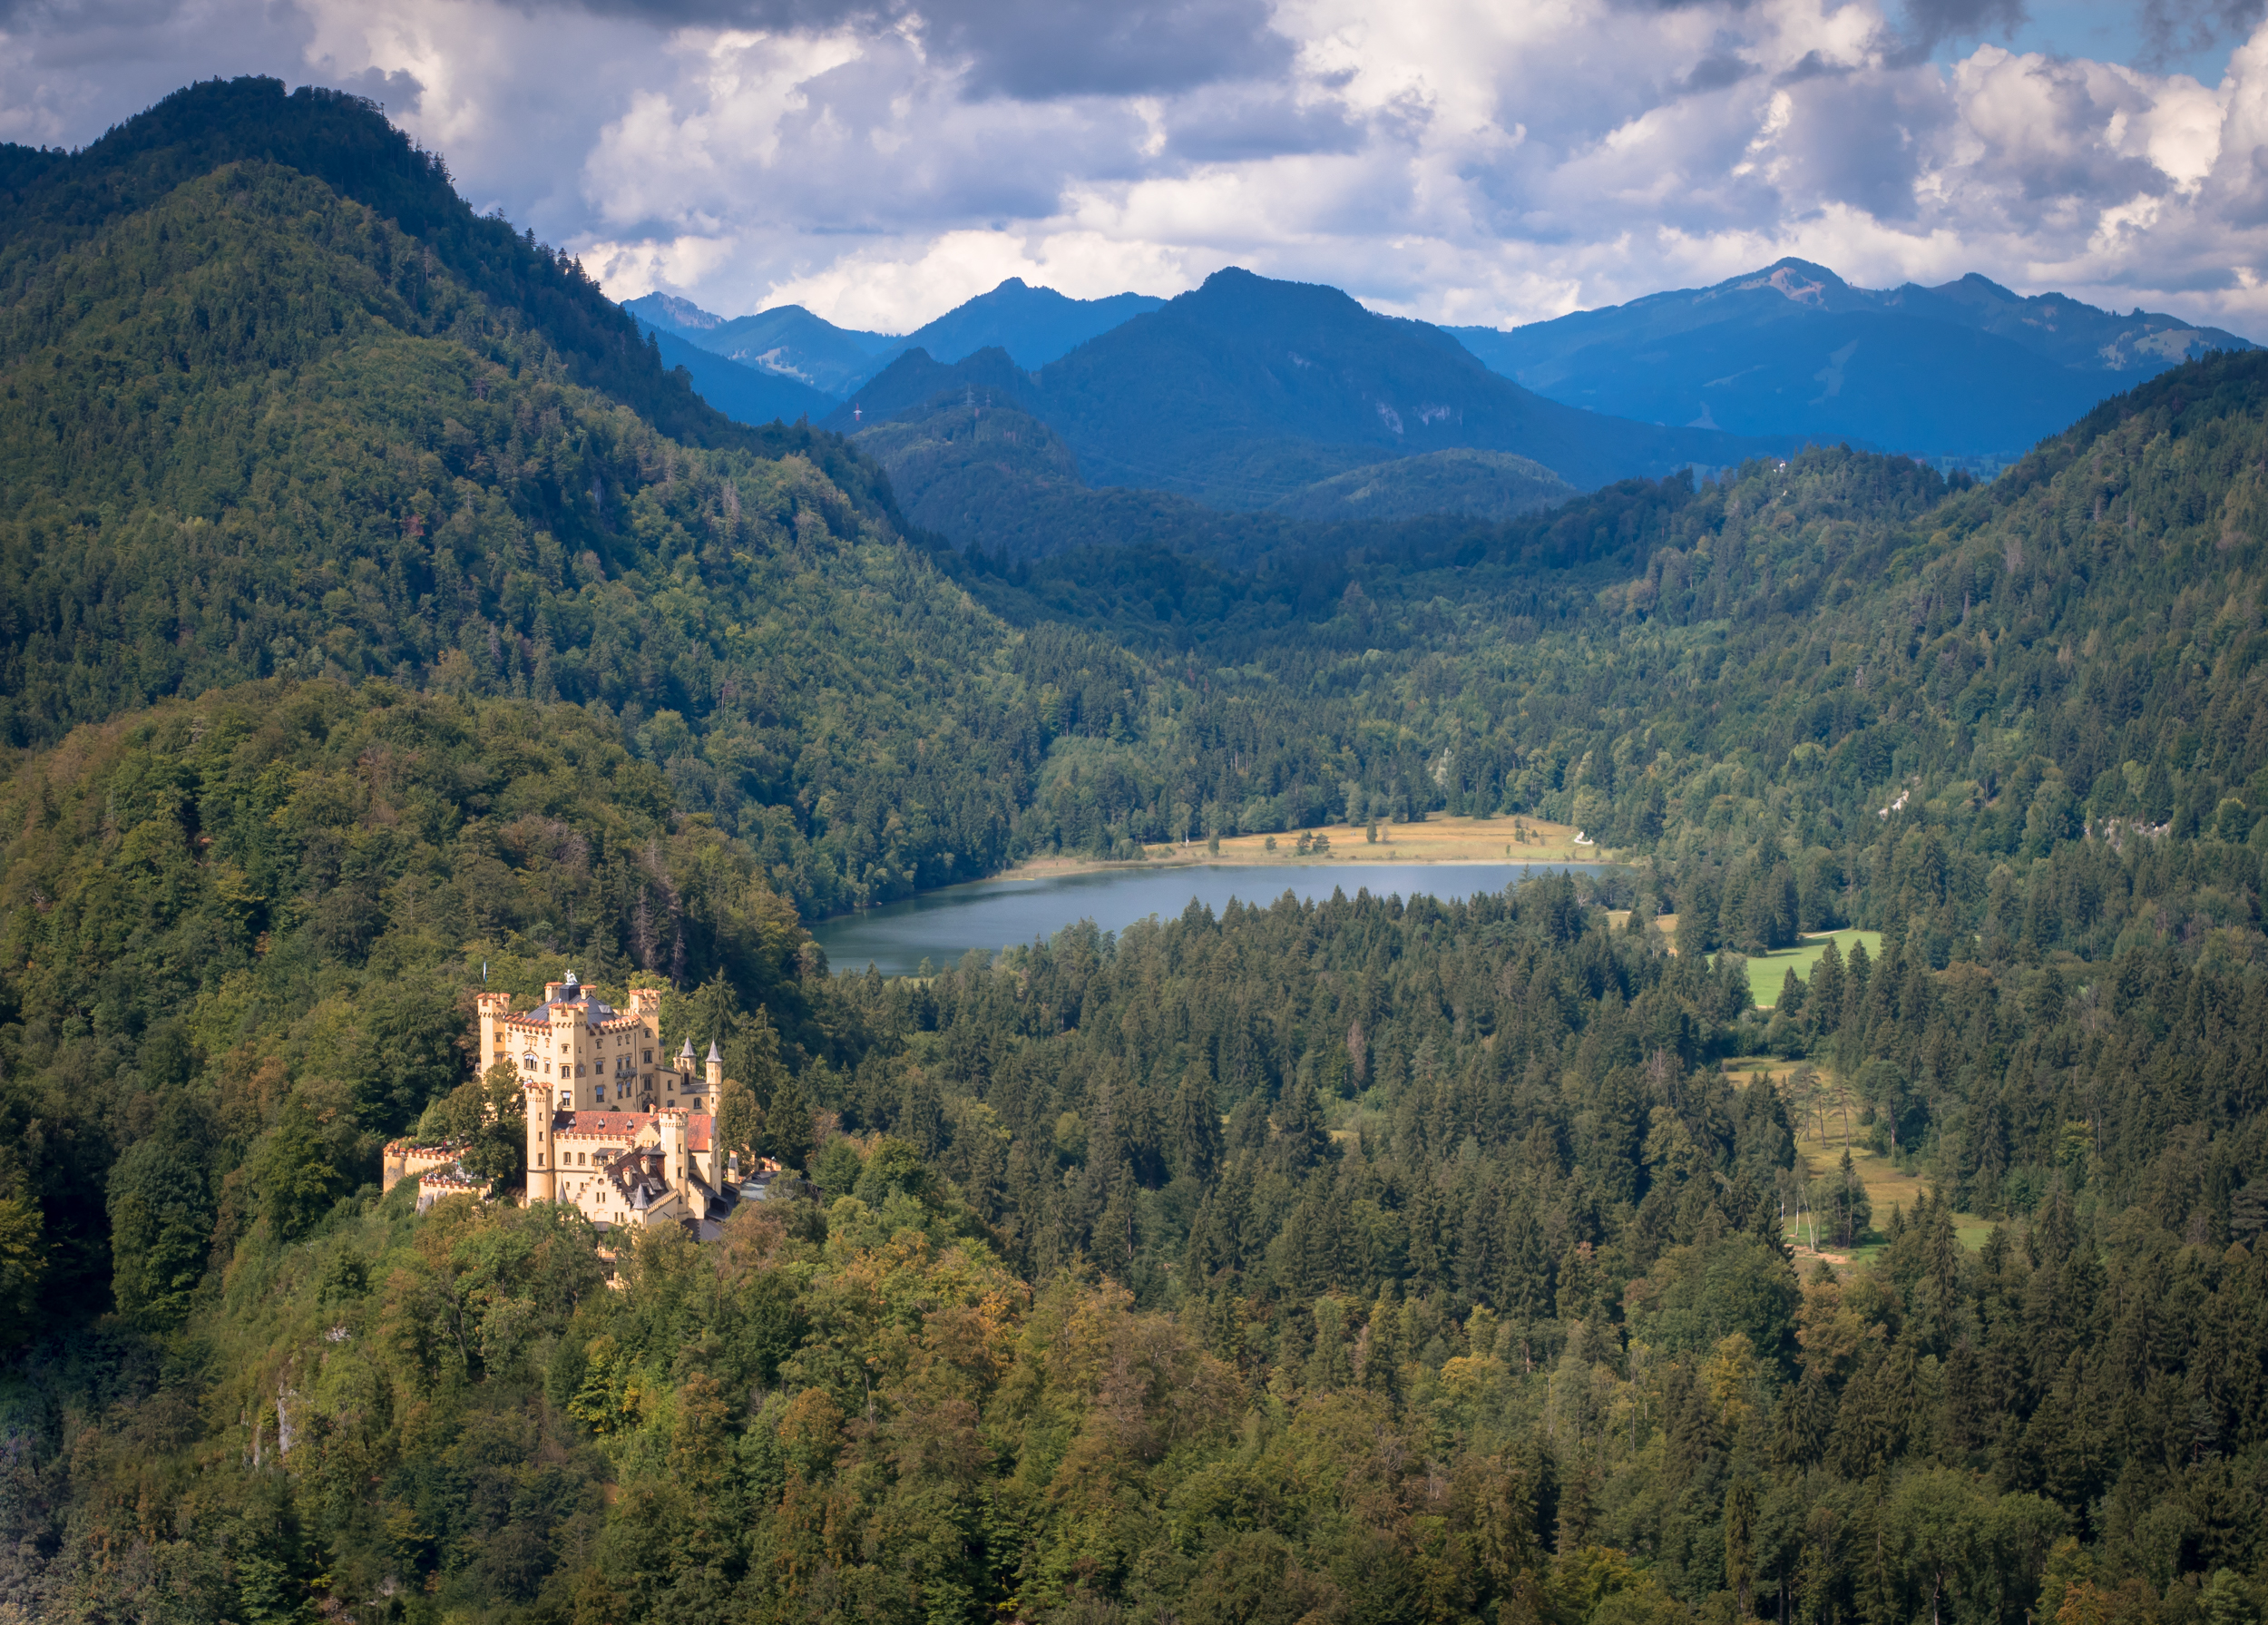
1033	325
1247	391
1965	370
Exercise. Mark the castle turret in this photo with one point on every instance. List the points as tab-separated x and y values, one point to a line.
543	1154
676	1168
493	1008
645	1003
716	1073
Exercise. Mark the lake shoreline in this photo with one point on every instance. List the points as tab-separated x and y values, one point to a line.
942	925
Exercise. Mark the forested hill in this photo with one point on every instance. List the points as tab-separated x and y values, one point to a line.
53	202
1781	655
249	427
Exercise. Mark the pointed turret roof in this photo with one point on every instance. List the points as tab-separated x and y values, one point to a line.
713	1055
687	1052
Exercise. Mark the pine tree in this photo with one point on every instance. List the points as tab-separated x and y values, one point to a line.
1196	1126
1300	1135
1386	1343
1823	999
1740	1543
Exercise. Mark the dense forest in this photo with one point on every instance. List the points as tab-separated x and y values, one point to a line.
382	620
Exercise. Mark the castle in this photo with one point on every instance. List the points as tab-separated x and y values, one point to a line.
624	1140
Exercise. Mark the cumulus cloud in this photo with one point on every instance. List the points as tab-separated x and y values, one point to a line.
1464	160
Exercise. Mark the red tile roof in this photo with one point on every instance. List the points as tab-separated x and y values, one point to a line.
700	1126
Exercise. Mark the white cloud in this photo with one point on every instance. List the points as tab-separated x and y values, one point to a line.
1463	160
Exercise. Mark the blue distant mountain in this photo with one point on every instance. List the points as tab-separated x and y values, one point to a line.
745	393
1249	390
1033	325
786	339
1967	369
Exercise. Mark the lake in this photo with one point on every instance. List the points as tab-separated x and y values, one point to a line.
992	915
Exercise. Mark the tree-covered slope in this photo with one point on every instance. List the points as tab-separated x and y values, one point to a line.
278	895
1783	652
251	430
1479	484
975	468
53	202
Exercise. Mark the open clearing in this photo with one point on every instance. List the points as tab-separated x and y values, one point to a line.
1820	1122
1436	840
1767	971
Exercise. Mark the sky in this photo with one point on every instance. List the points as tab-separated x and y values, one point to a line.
1463	160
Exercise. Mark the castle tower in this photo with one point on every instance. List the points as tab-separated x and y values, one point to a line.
542	1155
715	1078
645	1005
493	1007
674	1163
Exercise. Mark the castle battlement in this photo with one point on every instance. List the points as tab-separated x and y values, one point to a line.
623	1133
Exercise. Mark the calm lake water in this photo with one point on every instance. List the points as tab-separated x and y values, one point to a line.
992	915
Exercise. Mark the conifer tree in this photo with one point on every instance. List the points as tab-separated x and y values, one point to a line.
1196	1126
1302	1137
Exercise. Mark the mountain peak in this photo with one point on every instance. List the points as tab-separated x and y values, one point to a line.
1800	281
668	311
1976	282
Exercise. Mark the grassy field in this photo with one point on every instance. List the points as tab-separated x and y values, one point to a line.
1819	1152
1436	840
1767	971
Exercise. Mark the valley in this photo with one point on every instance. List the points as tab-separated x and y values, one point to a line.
1158	1218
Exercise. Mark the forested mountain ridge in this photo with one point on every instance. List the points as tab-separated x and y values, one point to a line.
51	201
1688	669
251	430
978	469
